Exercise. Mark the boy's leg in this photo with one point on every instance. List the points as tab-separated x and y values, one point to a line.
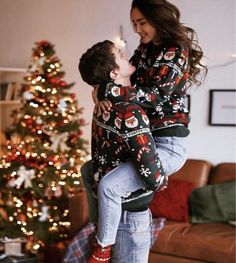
172	153
123	180
133	238
120	182
88	180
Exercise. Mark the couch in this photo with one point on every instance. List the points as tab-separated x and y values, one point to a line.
183	242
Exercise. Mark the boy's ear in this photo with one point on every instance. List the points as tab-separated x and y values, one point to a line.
114	74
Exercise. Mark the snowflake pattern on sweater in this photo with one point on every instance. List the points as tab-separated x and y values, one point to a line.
121	134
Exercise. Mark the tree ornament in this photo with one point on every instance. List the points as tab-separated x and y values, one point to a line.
39	120
62	83
33	245
15	138
28	95
44	216
25	177
22	217
9	201
62	105
59	142
54	191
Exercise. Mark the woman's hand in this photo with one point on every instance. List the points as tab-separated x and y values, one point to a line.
100	106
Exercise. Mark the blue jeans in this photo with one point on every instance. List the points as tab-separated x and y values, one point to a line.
133	238
121	181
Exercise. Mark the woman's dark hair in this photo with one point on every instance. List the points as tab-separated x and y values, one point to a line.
97	62
165	17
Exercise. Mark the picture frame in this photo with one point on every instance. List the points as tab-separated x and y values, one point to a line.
222	107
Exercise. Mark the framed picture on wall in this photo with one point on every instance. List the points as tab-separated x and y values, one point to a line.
222	107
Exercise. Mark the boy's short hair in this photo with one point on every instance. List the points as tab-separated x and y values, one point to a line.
97	62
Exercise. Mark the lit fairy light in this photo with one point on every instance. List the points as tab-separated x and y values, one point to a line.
54	91
38	78
33	104
19	203
39	88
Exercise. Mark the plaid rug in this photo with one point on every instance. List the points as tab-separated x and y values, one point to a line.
78	250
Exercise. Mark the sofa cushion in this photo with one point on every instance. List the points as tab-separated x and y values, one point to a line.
222	172
213	242
172	202
213	203
195	171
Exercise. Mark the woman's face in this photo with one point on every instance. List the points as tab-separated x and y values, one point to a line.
142	27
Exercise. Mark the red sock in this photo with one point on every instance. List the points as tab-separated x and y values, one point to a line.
100	254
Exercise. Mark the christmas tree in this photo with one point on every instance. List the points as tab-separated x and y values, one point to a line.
40	169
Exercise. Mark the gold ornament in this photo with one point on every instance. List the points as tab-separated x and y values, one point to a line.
33	246
15	138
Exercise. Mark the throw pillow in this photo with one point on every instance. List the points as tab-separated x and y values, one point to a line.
213	203
172	202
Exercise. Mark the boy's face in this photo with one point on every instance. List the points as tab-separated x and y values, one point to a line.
125	68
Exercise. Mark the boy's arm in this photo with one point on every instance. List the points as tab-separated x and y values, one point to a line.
135	131
117	93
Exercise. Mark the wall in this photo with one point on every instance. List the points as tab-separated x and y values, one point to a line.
74	25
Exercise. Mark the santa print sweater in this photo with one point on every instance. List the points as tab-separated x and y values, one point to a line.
124	134
159	87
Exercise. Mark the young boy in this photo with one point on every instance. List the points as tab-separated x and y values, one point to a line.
119	135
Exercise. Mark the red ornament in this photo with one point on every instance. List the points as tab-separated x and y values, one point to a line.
29	121
72	95
11	158
82	121
80	132
53	80
22	217
62	83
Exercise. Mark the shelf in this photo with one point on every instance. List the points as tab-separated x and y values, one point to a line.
8	102
14	70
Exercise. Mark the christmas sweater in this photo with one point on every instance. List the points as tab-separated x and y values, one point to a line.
159	87
124	134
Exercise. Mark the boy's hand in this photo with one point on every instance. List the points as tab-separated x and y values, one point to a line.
100	106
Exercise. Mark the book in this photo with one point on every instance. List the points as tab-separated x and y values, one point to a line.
3	90
17	92
10	91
